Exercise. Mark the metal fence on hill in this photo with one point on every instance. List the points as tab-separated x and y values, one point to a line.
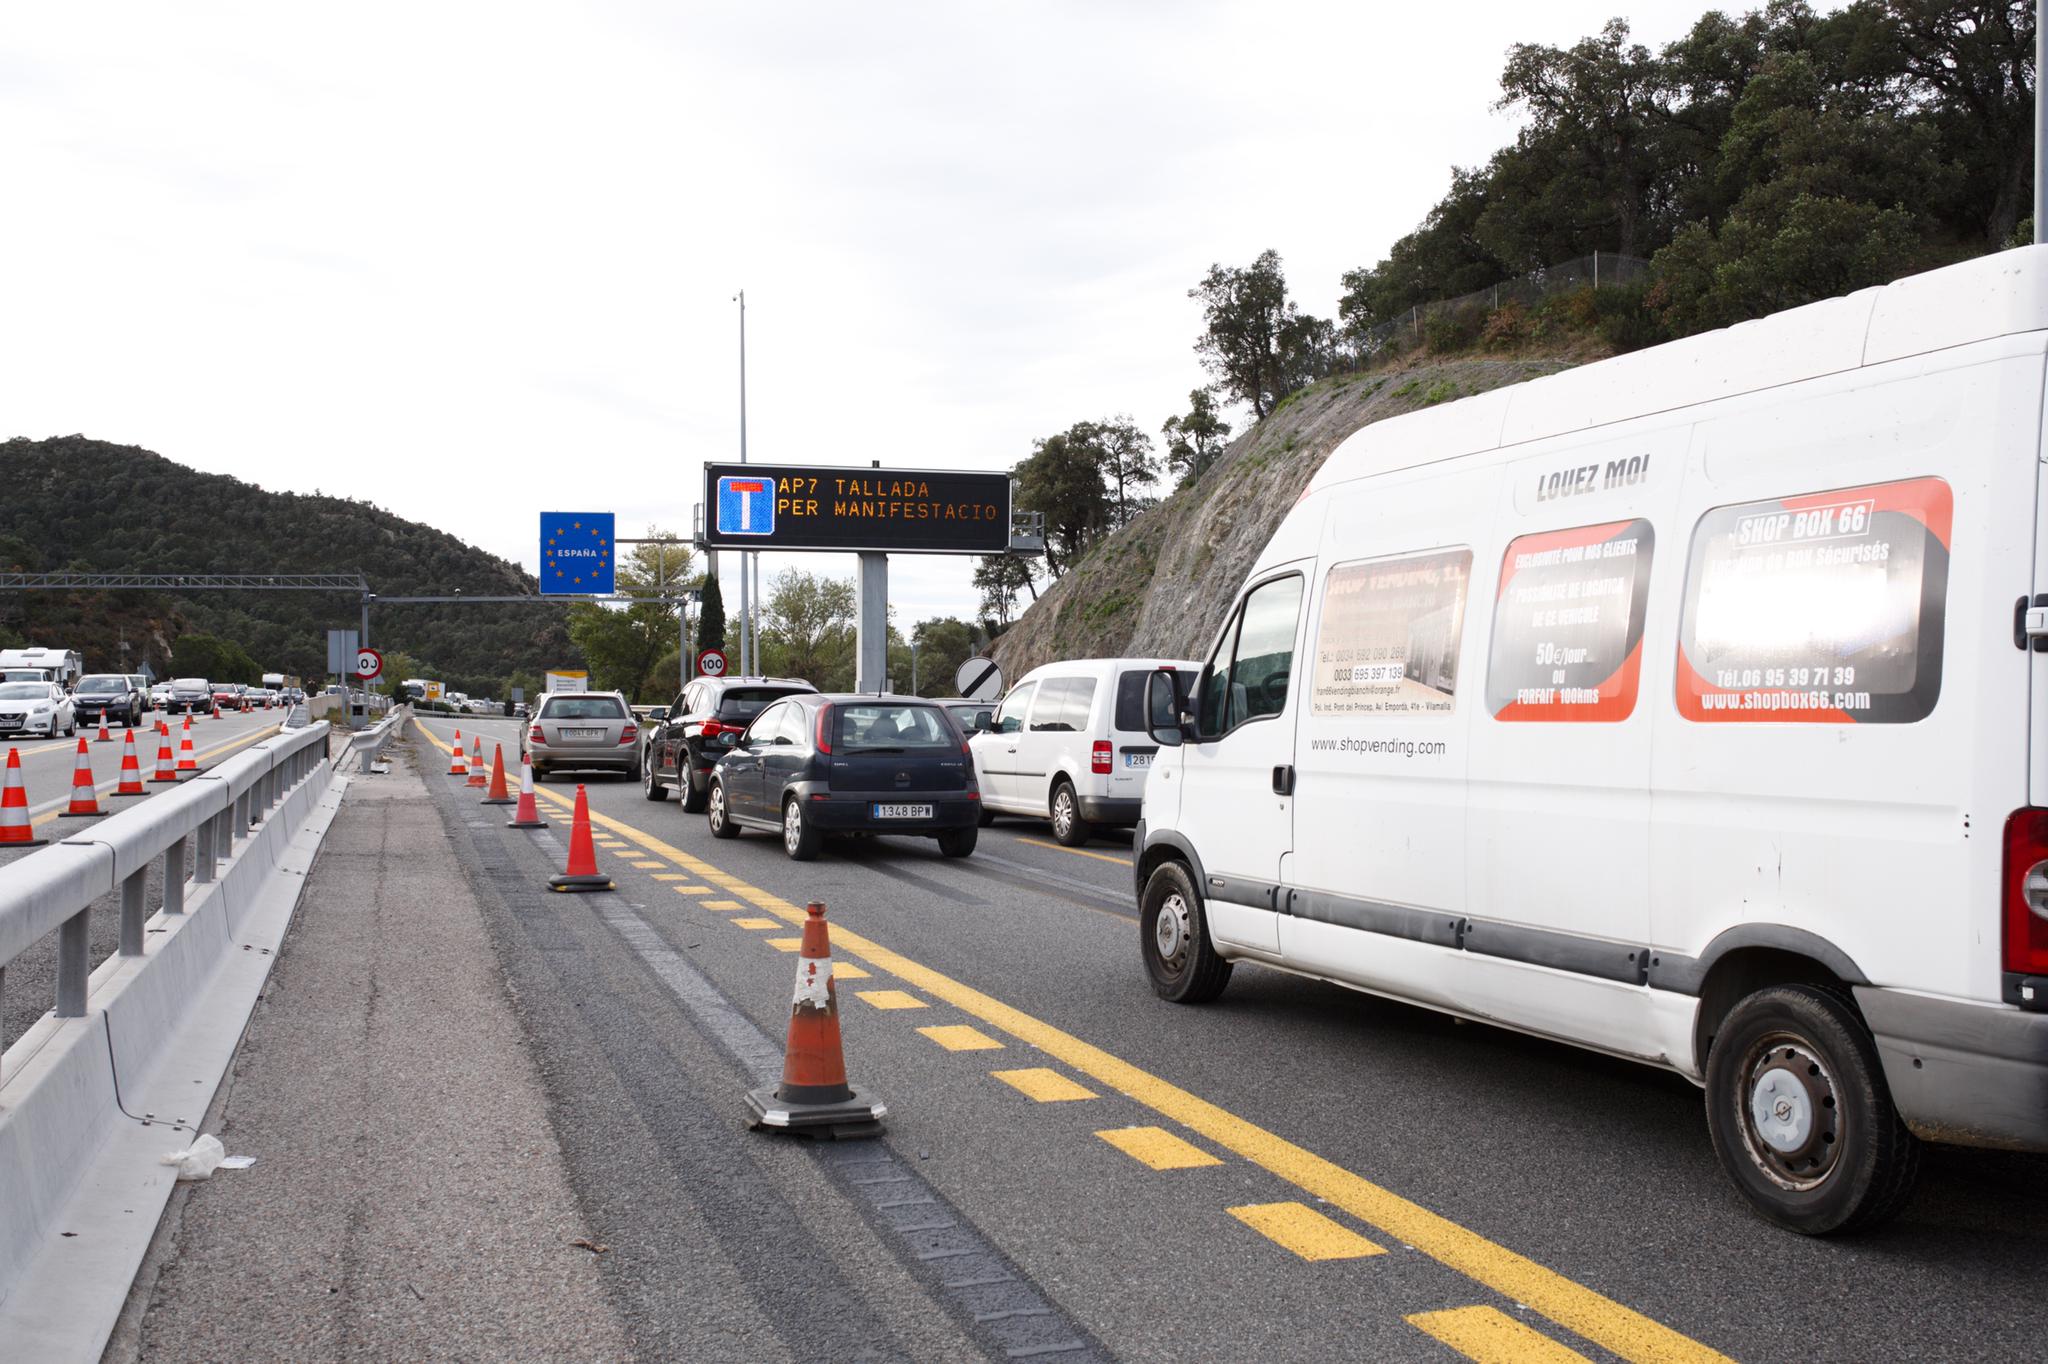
1601	270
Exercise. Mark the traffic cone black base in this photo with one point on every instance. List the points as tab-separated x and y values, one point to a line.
854	1116
580	883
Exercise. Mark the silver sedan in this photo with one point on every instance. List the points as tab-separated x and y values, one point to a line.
593	729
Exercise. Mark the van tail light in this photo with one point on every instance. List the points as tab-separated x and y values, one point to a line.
1099	761
2026	892
825	729
536	736
628	734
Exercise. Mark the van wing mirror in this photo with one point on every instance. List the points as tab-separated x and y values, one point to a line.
1162	710
984	722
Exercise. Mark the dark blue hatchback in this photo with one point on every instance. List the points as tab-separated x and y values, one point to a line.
814	764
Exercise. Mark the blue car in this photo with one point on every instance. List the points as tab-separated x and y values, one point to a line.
815	764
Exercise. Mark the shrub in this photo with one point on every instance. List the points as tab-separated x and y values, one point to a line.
1506	326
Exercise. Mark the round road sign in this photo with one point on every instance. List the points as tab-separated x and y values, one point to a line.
369	663
711	663
979	679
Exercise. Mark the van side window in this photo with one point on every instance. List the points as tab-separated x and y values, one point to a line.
1260	664
1010	717
1387	645
1054	704
1826	608
1568	624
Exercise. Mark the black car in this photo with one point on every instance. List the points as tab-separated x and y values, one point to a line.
689	732
113	695
810	765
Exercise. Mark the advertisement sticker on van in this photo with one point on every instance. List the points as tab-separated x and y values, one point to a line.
1388	644
1568	624
1821	609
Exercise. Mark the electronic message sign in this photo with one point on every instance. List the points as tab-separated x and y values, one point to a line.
899	511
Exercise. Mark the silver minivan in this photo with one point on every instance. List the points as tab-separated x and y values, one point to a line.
585	729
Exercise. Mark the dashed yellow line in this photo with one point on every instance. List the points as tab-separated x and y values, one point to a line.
1043	1084
1491	1336
754	923
104	787
786	944
952	1036
1306	1232
1619	1329
1078	852
1157	1148
891	999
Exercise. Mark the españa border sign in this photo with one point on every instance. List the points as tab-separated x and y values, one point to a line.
822	506
578	554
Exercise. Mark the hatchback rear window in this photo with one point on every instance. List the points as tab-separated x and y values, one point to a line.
1130	696
869	728
584	708
744	703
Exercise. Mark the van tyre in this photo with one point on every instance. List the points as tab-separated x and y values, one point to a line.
1067	825
716	816
1173	937
960	842
800	837
1800	1114
696	793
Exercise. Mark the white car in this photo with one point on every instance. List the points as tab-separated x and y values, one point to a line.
1070	744
1691	707
35	708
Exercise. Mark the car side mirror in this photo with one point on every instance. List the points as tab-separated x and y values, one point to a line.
984	721
657	715
1162	710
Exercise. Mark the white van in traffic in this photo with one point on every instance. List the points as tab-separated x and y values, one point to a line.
1070	744
1691	707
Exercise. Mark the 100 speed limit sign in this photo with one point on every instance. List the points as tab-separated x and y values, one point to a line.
369	663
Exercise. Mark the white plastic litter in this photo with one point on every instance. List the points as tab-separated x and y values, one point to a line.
198	1161
238	1162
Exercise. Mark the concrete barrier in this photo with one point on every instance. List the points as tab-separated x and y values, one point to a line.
124	1068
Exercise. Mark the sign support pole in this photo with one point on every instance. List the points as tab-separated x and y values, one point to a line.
871	629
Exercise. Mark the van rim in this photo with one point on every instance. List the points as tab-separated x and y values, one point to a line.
1791	1114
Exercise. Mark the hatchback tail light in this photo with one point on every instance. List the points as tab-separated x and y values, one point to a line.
536	736
711	729
628	734
1100	760
2026	892
825	729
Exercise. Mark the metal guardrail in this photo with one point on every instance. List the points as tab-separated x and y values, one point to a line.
193	826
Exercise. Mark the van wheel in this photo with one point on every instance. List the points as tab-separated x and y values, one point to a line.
1800	1115
715	815
1173	936
1067	825
695	793
800	837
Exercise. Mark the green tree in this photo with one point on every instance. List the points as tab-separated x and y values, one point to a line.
217	660
1194	440
711	615
999	578
625	645
1255	341
943	644
1063	480
807	629
1124	454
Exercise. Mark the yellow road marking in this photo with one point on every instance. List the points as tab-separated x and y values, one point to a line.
702	890
1158	1148
1043	1084
754	923
1078	852
646	866
785	944
891	999
1491	1336
953	1036
1306	1232
1607	1323
846	970
149	768
670	876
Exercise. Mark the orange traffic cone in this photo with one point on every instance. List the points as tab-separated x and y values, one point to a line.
103	737
476	763
499	795
458	761
527	816
164	770
814	1096
582	873
131	770
186	761
85	795
15	831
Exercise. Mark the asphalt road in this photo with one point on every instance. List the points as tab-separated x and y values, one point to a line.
1315	1173
47	767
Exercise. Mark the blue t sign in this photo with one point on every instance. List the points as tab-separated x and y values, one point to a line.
577	554
746	505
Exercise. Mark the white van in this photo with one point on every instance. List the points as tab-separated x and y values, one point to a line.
1690	707
1070	744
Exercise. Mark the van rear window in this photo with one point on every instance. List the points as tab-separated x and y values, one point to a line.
1826	608
1388	642
1568	624
1130	696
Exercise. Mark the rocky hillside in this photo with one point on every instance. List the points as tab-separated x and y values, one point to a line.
1161	585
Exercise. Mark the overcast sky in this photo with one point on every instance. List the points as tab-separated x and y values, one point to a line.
473	261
